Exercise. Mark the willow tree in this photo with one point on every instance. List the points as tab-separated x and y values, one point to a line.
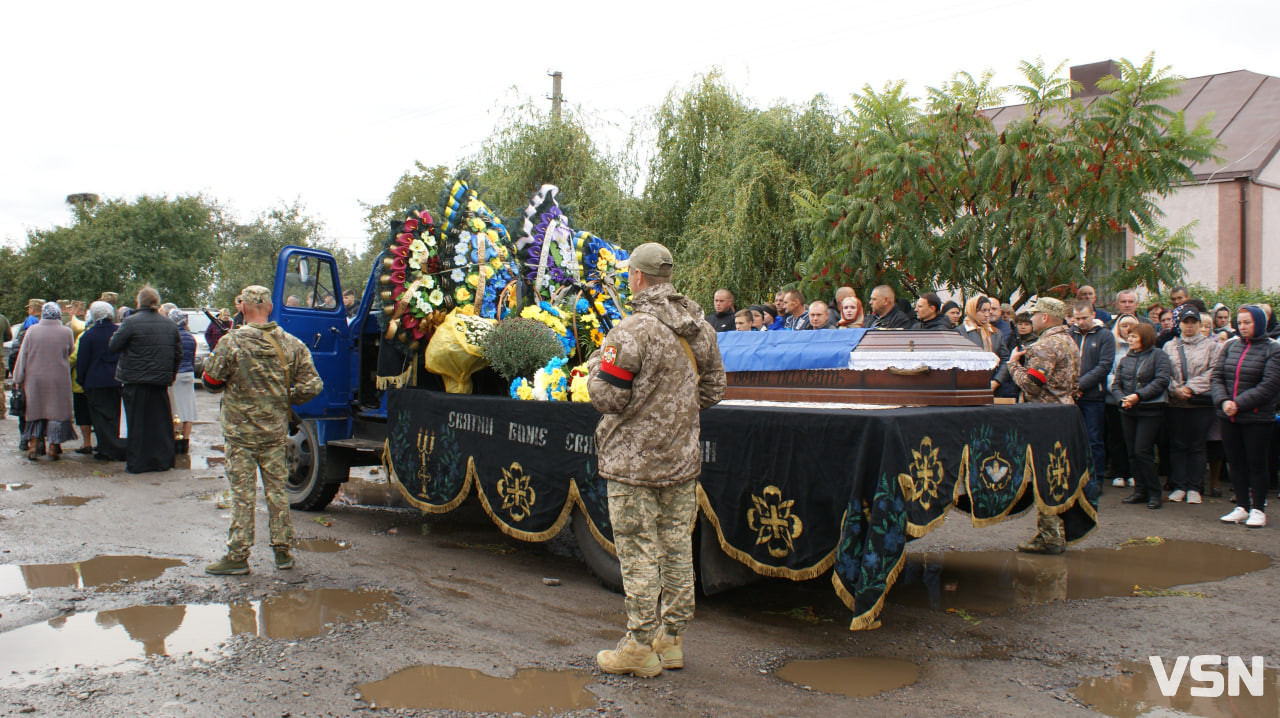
531	149
688	133
932	194
741	232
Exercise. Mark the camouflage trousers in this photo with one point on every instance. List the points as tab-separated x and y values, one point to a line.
243	463
651	532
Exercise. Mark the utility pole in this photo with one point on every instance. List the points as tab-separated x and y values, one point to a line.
556	96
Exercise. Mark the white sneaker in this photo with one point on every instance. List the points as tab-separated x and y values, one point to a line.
1130	480
1177	496
1117	481
1193	497
1257	519
1236	516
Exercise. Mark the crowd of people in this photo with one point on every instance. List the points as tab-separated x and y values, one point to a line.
75	371
1178	402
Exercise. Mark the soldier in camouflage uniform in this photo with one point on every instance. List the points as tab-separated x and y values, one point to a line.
262	369
1049	374
656	370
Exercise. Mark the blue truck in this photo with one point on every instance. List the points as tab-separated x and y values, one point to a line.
347	424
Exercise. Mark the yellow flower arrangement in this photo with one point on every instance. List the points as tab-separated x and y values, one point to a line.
578	384
462	294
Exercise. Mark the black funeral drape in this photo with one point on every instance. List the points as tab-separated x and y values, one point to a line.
791	492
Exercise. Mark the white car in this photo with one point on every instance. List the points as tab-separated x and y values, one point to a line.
197	322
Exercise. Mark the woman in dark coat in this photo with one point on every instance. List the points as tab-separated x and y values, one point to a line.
150	350
1246	386
44	373
96	367
1140	387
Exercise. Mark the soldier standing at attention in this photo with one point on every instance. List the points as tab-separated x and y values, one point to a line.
263	370
656	370
1049	375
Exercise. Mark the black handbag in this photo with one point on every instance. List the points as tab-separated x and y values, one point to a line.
1196	399
17	402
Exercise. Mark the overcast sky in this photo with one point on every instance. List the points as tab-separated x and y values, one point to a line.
258	103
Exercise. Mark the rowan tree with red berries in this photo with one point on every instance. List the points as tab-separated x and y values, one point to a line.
930	194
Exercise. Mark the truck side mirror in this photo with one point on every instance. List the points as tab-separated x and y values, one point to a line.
304	270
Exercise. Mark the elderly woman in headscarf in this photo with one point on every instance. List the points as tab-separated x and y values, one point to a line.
96	367
44	373
182	395
977	328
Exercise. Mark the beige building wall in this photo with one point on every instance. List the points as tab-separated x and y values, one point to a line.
1270	259
1189	204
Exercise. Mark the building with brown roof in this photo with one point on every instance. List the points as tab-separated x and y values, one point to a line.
1236	199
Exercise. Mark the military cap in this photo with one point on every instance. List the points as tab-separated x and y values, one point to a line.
1053	307
109	297
652	259
255	294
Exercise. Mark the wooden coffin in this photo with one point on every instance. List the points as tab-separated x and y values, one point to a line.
900	381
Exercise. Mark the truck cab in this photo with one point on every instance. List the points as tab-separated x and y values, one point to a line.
345	426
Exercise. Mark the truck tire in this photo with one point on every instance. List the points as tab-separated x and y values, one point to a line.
306	485
602	564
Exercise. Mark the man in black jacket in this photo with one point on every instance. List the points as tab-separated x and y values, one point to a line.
150	349
1097	354
929	313
884	311
722	317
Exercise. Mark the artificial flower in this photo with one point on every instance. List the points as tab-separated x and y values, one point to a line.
436	297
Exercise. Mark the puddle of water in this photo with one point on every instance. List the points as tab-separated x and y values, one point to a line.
461	689
856	677
322	545
1136	692
68	500
366	492
97	571
115	639
993	581
14	487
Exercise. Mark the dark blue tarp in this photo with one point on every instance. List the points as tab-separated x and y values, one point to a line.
785	350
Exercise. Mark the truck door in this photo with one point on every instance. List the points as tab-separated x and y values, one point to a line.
307	301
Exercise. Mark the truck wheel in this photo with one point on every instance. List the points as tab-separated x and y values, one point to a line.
602	564
306	487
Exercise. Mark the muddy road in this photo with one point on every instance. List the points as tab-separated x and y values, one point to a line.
105	610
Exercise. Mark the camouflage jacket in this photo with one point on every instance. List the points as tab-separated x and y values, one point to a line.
1050	371
255	409
650	393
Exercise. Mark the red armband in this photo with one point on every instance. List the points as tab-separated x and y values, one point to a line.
211	381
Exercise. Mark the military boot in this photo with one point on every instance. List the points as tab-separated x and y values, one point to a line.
1049	537
284	561
228	566
669	649
632	657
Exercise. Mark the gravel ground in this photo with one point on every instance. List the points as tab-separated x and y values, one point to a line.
469	597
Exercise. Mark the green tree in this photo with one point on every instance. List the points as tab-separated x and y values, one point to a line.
248	255
531	149
420	186
741	232
930	194
120	245
689	130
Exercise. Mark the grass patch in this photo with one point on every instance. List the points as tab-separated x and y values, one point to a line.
968	617
1162	592
802	613
1148	541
